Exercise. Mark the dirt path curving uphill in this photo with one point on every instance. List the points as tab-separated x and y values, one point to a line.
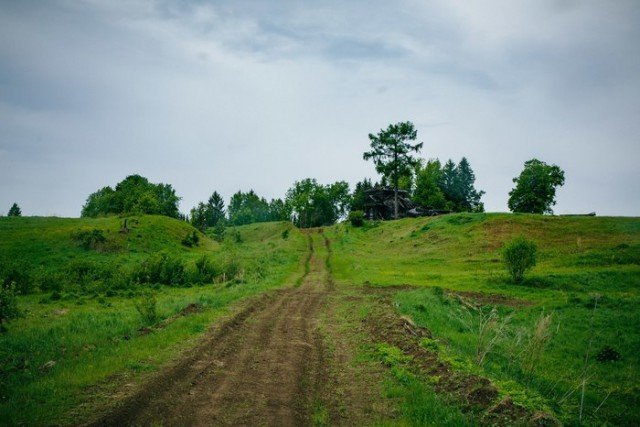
264	367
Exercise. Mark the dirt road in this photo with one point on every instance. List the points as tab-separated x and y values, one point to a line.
265	367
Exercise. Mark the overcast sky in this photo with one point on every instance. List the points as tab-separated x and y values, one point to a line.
239	95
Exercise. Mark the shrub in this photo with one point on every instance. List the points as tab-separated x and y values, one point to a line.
147	306
204	271
8	305
18	276
285	234
356	218
519	256
219	231
161	269
90	239
191	240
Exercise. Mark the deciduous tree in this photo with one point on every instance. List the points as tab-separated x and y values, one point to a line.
535	189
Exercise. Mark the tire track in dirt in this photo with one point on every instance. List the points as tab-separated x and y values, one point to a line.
264	367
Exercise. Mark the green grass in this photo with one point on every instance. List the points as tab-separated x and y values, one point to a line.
579	258
94	335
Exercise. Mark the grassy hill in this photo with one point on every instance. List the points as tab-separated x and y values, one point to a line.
80	337
450	279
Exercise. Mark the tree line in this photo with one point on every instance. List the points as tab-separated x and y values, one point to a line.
428	183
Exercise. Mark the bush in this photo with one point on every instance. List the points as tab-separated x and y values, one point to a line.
90	239
8	305
519	256
285	234
356	218
161	269
219	231
191	240
19	276
204	271
147	307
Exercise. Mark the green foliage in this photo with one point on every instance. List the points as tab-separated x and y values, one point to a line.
356	218
358	197
219	231
428	190
205	270
208	214
161	268
450	187
8	304
18	276
519	255
285	234
535	189
90	239
391	152
248	208
14	210
147	307
192	239
315	205
135	194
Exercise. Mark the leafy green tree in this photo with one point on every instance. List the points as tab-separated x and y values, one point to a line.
391	153
279	211
535	189
315	205
428	190
135	194
14	210
247	208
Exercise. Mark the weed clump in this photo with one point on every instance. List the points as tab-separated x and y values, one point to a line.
356	218
147	308
519	255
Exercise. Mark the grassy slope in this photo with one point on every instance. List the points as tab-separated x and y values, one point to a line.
48	242
579	258
96	340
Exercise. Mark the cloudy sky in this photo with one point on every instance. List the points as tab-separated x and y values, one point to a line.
239	95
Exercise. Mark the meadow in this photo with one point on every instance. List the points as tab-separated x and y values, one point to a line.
104	307
80	340
565	341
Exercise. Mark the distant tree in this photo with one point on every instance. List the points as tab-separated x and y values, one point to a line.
448	184
391	153
315	205
279	210
215	209
135	194
468	196
450	187
14	210
199	216
247	208
535	189
359	197
428	190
